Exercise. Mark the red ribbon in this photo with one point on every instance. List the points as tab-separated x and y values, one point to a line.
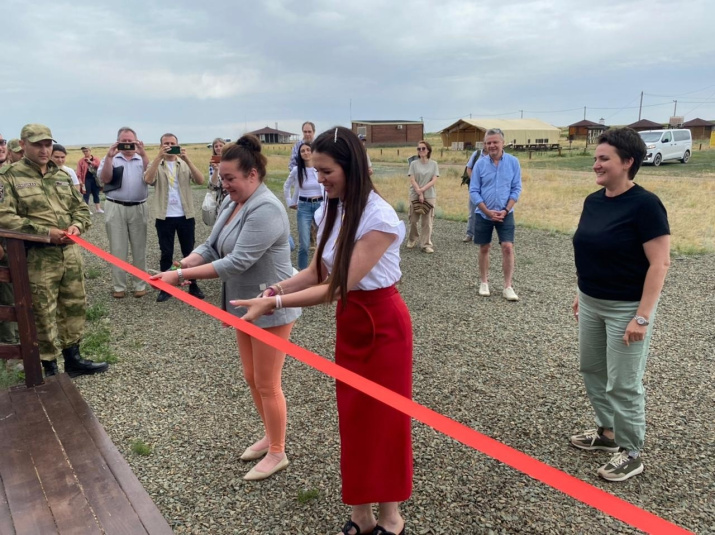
568	484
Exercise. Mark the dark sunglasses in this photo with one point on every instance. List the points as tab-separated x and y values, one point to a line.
3	142
421	148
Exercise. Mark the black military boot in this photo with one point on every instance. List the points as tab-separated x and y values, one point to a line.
50	367
75	365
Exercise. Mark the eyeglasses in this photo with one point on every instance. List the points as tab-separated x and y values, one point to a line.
3	142
420	149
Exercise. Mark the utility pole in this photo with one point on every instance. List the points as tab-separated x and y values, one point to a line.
640	107
584	113
675	107
522	113
351	111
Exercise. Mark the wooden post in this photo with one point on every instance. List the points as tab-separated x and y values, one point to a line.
21	311
530	154
398	152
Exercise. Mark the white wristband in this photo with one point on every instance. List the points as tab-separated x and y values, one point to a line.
279	303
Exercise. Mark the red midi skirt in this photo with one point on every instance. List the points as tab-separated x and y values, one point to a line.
374	339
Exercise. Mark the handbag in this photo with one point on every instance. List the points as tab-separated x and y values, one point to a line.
466	177
209	208
421	208
116	182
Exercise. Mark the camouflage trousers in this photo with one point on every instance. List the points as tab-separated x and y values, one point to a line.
58	297
8	329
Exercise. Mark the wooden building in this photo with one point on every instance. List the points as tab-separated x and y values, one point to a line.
699	128
389	132
272	135
645	124
586	131
518	133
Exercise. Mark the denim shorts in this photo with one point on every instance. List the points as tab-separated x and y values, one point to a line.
483	229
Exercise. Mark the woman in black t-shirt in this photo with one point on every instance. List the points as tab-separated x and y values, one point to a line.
622	253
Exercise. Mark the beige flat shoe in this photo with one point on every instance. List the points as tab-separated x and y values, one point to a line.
255	475
252	455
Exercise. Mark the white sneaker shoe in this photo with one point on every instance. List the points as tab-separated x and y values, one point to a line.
510	294
100	211
411	244
484	289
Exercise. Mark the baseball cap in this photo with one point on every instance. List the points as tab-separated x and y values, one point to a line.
14	145
35	132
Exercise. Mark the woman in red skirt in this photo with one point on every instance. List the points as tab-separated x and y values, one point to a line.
357	263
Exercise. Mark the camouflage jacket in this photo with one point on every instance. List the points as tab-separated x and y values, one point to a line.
34	203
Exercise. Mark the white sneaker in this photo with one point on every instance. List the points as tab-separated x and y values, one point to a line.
510	294
467	239
484	289
411	244
100	211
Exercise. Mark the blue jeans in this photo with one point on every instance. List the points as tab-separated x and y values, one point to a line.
306	211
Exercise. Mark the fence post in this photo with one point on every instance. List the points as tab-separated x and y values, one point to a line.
530	154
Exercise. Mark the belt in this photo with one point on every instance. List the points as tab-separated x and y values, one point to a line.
310	199
127	203
40	245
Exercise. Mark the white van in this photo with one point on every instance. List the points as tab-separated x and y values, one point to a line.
662	145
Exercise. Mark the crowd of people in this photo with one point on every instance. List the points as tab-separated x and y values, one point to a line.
621	251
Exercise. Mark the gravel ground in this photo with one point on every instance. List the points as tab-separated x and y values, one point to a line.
508	370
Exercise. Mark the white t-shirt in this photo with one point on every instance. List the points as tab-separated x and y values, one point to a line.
173	207
72	174
378	215
311	187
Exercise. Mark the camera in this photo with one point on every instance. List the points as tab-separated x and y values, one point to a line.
126	146
174	149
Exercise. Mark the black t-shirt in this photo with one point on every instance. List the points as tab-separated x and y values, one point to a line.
608	244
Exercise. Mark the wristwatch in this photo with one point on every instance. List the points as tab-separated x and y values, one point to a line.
640	320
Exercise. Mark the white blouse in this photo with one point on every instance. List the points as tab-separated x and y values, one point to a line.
310	188
378	215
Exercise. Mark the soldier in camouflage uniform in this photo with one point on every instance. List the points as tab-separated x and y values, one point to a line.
38	198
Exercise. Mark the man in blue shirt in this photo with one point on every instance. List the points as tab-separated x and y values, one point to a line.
470	167
494	189
308	129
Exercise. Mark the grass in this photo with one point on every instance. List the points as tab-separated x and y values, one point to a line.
554	186
9	378
307	495
141	448
93	273
96	312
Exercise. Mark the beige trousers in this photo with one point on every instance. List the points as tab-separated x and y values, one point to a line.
424	235
126	226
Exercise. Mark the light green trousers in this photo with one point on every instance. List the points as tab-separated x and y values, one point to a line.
611	370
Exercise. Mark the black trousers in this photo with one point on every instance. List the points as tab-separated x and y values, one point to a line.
90	188
166	229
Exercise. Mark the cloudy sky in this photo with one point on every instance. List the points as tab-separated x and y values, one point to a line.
220	68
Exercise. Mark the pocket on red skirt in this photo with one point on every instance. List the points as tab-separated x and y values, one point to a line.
355	331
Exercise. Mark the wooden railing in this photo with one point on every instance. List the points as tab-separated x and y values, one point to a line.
21	311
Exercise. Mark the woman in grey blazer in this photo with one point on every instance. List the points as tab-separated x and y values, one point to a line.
249	251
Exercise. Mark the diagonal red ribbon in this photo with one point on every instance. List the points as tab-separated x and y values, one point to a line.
572	486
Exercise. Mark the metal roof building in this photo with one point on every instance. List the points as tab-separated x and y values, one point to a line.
517	132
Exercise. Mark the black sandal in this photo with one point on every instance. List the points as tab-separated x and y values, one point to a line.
350	525
379	530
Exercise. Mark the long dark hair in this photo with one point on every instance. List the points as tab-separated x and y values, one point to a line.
302	168
343	146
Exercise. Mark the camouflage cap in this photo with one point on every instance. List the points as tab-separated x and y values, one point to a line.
35	132
14	145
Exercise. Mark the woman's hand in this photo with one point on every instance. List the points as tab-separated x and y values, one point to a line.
169	277
634	332
260	306
574	307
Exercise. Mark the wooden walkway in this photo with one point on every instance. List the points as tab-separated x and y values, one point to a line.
60	472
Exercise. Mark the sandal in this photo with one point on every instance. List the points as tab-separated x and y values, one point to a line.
350	525
379	530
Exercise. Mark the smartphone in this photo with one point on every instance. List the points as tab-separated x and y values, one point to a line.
216	158
174	149
126	146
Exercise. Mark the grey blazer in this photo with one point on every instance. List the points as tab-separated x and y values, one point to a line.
251	252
